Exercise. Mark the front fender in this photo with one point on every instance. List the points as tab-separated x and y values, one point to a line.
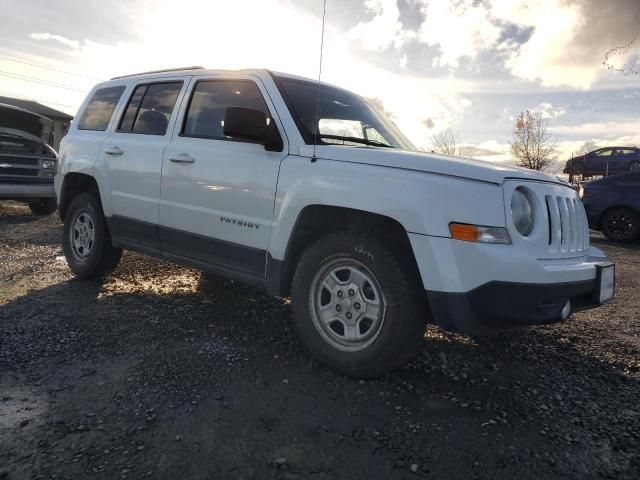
423	203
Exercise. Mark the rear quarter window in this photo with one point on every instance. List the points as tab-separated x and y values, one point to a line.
98	112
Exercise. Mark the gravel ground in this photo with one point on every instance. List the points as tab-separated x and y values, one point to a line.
161	372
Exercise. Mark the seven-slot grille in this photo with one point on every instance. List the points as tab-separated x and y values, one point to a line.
568	229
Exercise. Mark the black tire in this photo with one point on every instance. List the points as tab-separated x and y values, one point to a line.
100	258
402	329
44	206
621	224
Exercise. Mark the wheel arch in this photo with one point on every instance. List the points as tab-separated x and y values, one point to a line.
317	220
74	184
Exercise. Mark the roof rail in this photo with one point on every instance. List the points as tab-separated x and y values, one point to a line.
195	67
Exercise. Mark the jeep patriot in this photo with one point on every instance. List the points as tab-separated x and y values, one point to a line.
308	191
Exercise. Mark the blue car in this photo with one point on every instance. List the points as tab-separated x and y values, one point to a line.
604	161
613	206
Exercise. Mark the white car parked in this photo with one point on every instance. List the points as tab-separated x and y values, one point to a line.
306	190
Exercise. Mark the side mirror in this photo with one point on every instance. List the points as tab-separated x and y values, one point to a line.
251	125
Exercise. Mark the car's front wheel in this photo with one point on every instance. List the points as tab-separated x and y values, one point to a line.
86	240
621	225
358	306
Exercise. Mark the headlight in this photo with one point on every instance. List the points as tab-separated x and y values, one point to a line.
48	164
522	212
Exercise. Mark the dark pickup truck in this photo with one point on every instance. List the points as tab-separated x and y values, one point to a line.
27	161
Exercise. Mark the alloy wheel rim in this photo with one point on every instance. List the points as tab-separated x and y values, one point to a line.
620	225
83	235
347	304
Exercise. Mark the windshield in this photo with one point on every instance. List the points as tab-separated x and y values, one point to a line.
329	115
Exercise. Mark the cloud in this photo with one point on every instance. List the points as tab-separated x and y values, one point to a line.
474	151
570	37
461	29
403	61
610	129
554	42
547	110
384	30
74	44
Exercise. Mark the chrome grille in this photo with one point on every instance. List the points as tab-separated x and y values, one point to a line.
20	166
20	160
568	230
6	170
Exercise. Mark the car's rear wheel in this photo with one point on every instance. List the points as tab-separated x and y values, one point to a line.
44	206
358	307
86	240
621	225
634	166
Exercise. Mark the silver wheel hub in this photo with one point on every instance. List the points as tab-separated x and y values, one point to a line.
83	234
347	305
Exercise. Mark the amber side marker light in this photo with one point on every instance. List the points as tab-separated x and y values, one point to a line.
477	233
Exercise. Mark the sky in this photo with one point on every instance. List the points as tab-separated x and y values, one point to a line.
468	65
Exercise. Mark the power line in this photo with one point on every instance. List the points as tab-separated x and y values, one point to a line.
47	67
43	82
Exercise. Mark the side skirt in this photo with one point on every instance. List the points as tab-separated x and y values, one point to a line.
146	238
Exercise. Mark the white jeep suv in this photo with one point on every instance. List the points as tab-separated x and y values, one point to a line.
307	191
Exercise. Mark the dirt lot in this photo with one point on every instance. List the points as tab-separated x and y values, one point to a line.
161	372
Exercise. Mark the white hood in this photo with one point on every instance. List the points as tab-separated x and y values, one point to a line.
430	163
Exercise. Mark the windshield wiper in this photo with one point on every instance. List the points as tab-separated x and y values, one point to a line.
364	141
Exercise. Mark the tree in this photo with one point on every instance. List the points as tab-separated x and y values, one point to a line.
447	142
586	148
532	145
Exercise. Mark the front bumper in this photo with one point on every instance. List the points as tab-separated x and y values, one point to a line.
22	191
502	305
479	288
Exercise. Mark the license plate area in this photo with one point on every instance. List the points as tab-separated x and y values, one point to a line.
605	282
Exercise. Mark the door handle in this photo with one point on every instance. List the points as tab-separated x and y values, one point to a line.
114	151
182	158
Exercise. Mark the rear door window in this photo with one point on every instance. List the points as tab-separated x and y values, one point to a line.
97	114
604	153
149	108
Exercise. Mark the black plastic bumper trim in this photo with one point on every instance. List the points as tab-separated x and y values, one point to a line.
501	305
